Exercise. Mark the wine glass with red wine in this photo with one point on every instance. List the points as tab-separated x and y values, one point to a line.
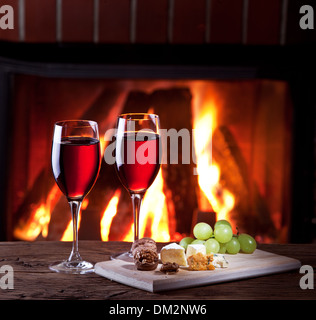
137	160
76	164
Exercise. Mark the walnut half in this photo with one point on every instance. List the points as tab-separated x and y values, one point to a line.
169	268
146	259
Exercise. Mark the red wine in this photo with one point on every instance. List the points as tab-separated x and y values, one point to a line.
137	160
76	164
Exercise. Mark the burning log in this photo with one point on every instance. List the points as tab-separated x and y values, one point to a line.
174	109
37	209
136	101
234	175
98	198
250	209
203	216
33	216
60	217
104	110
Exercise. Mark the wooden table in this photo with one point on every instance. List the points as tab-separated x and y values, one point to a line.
33	279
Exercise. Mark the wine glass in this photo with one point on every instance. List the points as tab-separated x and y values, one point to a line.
76	165
137	160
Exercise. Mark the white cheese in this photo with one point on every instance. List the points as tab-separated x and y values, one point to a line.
219	261
172	245
173	253
195	248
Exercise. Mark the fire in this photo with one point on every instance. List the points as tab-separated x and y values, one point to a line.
220	199
154	215
39	220
154	209
108	215
37	224
68	233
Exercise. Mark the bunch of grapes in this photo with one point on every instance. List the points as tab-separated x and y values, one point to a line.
221	240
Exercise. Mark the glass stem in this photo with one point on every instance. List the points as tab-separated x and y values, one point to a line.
75	209
137	201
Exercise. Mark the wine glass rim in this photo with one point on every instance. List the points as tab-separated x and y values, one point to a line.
150	115
81	122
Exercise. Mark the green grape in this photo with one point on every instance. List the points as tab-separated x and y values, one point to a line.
222	248
211	245
185	241
233	246
202	231
219	222
223	233
198	241
247	243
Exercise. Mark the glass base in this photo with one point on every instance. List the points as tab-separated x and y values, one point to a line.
74	267
124	256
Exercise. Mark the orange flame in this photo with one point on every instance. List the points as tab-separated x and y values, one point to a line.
68	233
39	220
221	200
154	209
108	215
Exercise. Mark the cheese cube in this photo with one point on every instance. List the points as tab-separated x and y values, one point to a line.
173	253
219	261
201	261
195	248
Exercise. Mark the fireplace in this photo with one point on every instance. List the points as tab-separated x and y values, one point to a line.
253	150
238	75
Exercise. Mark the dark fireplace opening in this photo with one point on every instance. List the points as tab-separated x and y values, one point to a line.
253	158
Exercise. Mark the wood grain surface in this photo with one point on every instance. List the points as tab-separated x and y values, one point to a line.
33	279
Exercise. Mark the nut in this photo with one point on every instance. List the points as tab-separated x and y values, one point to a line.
146	259
144	243
169	268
